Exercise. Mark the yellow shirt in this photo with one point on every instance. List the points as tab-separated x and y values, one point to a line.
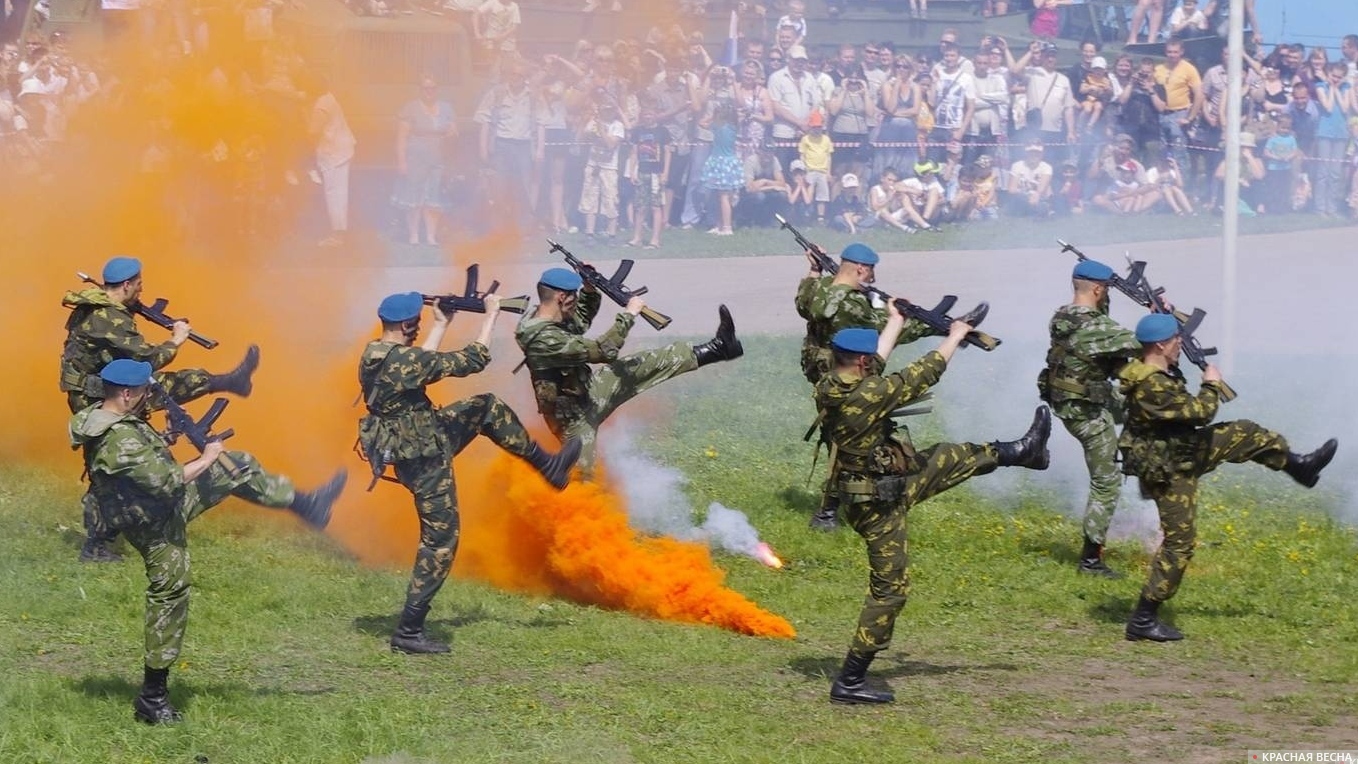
1179	84
816	152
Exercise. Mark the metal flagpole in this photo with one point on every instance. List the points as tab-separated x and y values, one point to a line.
1235	35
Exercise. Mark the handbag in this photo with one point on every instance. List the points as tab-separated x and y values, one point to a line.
1034	115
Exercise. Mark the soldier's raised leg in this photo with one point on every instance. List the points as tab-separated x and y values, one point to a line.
491	417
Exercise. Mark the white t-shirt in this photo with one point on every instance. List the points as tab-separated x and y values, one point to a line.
952	91
1028	178
1053	106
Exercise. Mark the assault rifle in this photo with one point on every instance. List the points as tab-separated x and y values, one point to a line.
1188	323
472	301
155	313
613	286
935	318
179	422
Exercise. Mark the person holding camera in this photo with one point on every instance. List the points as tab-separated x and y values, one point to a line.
1137	115
1051	100
852	112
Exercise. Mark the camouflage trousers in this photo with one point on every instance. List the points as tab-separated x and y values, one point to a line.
1099	439
616	384
1177	500
430	480
183	386
165	550
882	525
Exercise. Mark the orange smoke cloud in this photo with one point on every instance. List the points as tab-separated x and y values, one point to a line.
104	194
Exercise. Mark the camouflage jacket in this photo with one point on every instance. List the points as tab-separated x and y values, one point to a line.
402	422
1162	436
829	307
558	355
133	475
1087	349
98	331
857	422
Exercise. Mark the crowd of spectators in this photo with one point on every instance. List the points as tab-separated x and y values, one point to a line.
856	136
625	139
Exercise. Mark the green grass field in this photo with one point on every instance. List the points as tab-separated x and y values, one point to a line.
1002	654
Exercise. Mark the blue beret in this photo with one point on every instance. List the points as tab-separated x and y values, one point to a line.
120	269
1156	327
400	307
859	340
564	279
126	372
1091	270
859	253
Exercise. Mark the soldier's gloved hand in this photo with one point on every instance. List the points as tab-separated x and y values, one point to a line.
179	333
635	305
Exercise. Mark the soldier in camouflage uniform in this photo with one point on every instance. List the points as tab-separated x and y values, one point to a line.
879	475
100	329
405	429
1087	350
149	497
830	303
1169	442
574	400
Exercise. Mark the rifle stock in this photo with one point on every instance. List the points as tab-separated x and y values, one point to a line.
613	287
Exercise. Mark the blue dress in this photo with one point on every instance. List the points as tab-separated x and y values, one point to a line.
422	185
723	171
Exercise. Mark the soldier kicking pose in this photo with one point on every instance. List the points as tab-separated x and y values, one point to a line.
405	429
148	496
1169	442
100	329
576	400
879	475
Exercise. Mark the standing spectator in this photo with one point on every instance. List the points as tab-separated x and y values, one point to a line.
954	102
603	133
795	20
1178	98
1271	94
1351	158
795	95
1305	118
1348	49
1030	184
853	112
1282	163
495	24
1046	21
334	150
674	104
766	190
1051	103
722	172
816	150
505	115
898	133
649	167
1146	10
425	127
989	127
1096	91
1204	148
1335	99
554	138
753	106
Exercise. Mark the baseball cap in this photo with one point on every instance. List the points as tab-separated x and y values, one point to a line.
849	180
1099	62
796	51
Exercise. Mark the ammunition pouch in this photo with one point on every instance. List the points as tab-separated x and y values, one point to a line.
886	488
562	395
1158	460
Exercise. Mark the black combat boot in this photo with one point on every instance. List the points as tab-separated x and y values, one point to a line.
1305	468
314	506
976	315
555	468
410	637
851	684
1030	450
238	379
724	346
98	550
1091	561
153	704
1145	625
827	515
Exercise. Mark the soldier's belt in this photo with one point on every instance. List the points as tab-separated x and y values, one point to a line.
1068	385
